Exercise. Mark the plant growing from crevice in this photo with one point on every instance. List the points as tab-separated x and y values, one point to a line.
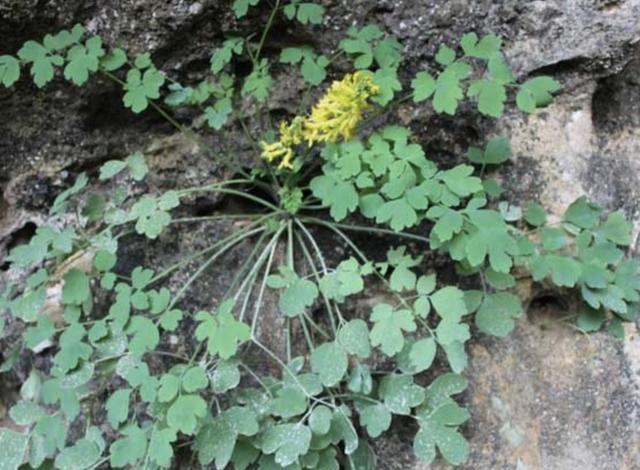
344	371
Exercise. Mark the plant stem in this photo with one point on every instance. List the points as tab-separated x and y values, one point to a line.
267	270
207	263
362	228
269	249
364	258
210	218
266	31
317	276
190	258
251	197
286	369
240	272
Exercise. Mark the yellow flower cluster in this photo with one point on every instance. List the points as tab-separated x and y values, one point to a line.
335	116
290	136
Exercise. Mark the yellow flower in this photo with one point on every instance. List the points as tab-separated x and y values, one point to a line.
276	150
290	136
340	110
335	116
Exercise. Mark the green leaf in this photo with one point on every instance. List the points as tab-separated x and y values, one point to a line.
487	47
398	213
451	331
340	195
137	166
150	221
500	281
449	303
104	261
497	312
243	420
536	93
111	168
225	377
459	180
402	279
184	413
82	455
41	62
160	449
290	401
240	7
354	337
498	150
258	82
293	55
616	329
616	229
344	281
140	88
297	297
145	335
492	238
422	354
288	441
25	413
308	13
583	213
118	407
552	238
565	271
314	69
12	448
375	417
143	61
129	449
400	393
388	53
491	96
448	225
453	447
387	331
222	332
426	284
320	420
222	56
447	93
445	55
114	60
27	306
456	356
218	114
216	440
359	44
83	59
330	362
423	86
387	80
195	379
76	287
169	320
72	349
9	70
589	319
61	201
169	387
535	214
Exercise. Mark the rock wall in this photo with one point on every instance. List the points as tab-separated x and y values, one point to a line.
545	397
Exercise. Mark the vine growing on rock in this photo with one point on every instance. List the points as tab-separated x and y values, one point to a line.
343	373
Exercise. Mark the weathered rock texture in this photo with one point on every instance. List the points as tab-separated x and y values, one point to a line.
544	398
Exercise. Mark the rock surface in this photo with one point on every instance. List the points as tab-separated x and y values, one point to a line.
545	397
